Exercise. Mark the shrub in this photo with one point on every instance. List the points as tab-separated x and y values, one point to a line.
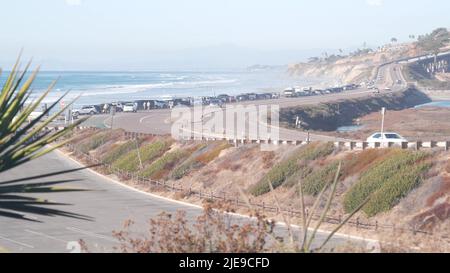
186	167
130	161
288	167
394	177
163	164
190	163
317	150
303	171
395	188
211	232
92	142
318	179
118	151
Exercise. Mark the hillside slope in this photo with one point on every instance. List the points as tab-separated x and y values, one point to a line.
407	188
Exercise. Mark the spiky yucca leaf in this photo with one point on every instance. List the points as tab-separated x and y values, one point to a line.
22	140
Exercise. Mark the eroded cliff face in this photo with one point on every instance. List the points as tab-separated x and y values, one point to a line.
342	73
355	68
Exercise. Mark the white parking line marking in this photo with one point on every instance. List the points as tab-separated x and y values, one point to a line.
45	235
16	242
92	234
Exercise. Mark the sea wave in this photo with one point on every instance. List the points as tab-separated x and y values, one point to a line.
135	88
121	89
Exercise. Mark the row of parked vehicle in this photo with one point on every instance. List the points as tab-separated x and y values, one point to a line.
224	98
138	105
309	91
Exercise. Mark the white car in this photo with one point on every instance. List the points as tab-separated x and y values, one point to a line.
34	115
129	107
386	137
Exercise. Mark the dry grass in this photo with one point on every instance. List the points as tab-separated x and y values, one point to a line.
214	231
212	153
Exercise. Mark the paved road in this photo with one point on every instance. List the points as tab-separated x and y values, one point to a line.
159	121
106	203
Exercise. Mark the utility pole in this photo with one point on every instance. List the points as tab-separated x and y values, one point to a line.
383	113
113	112
139	154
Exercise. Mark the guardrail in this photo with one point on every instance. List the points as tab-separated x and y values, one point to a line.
234	199
417	145
346	145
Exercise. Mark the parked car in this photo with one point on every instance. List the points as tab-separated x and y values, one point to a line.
129	107
118	106
289	92
159	104
85	110
252	96
33	115
268	96
263	96
224	97
386	137
242	97
206	100
216	102
301	93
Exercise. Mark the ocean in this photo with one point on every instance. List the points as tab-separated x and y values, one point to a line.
100	87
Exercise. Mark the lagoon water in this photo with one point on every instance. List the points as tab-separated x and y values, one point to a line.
349	128
445	104
99	87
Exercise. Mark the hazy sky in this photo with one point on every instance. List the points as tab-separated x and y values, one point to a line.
148	34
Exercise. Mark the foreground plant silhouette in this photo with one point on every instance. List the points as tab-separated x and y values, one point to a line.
23	139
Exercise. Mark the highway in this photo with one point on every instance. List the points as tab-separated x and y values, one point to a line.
159	121
104	206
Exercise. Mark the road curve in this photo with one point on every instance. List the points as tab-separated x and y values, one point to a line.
107	203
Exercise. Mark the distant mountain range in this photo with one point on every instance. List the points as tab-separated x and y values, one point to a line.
220	57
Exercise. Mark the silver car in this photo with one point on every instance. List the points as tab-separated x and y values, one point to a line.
85	110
